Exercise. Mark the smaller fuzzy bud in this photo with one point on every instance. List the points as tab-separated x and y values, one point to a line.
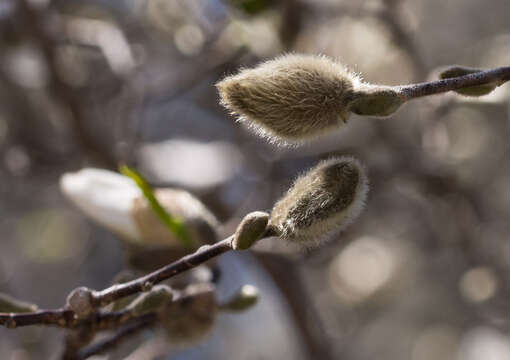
188	320
292	98
246	297
8	304
479	90
322	201
80	301
152	301
372	100
251	229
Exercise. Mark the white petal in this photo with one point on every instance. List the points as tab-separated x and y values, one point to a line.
105	196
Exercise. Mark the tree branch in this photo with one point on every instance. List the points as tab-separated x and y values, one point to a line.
66	318
145	283
107	344
494	76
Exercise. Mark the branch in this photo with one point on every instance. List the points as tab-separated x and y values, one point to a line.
65	318
33	21
59	317
145	283
107	344
494	76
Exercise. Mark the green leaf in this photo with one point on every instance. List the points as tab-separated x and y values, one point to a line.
175	224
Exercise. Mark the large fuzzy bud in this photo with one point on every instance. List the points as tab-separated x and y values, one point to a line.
292	98
115	201
322	201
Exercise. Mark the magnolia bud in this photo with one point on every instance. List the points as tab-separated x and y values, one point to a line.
190	319
251	229
322	201
80	301
292	98
152	301
373	100
246	297
479	90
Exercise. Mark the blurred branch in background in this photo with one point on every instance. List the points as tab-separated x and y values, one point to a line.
102	82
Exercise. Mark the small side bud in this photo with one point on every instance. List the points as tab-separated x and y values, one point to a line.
479	90
8	304
80	301
322	201
188	320
375	101
152	301
251	229
292	98
246	297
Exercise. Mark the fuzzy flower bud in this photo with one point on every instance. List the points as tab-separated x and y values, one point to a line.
292	98
322	201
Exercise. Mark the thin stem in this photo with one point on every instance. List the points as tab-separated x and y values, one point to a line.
66	318
496	76
111	342
145	283
59	317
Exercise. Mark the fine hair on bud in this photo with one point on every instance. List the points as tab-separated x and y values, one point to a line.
321	202
292	98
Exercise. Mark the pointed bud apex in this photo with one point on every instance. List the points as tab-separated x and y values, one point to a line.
292	98
479	90
322	201
245	298
376	101
152	301
80	301
251	229
8	304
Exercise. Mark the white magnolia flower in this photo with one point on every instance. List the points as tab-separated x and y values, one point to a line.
115	201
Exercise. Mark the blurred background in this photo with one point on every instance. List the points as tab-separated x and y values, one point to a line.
423	274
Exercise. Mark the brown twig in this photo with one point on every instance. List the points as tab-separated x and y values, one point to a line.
107	344
64	318
145	283
67	318
33	21
496	76
58	317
